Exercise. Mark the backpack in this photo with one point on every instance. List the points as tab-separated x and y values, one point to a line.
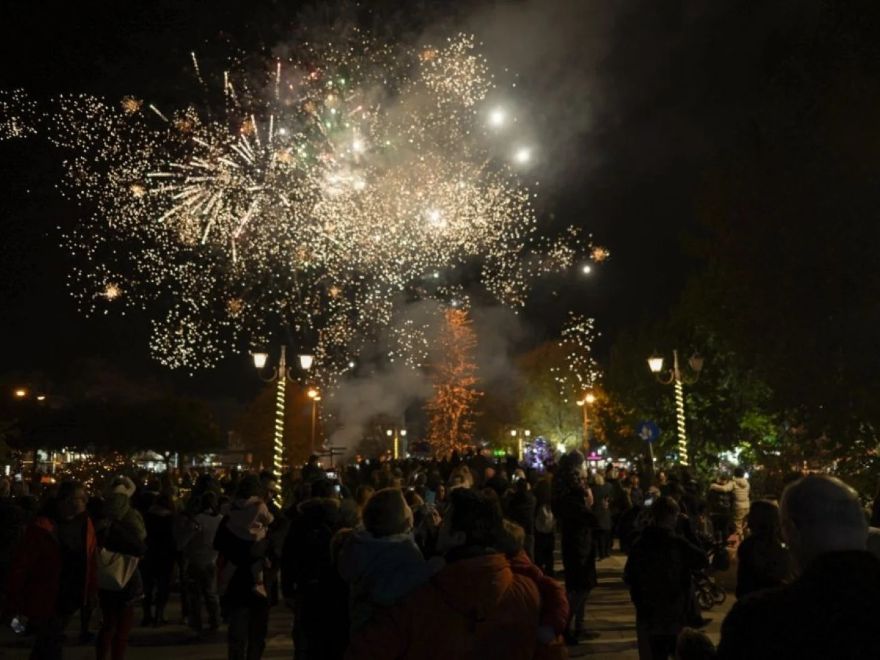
545	523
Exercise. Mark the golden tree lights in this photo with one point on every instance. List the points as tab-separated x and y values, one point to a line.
451	408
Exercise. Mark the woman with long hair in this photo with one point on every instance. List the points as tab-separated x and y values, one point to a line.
763	560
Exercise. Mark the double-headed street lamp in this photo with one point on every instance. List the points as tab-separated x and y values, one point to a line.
521	437
281	373
398	434
588	400
677	378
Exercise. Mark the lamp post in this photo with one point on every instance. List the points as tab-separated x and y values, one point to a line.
677	378
521	436
315	396
397	434
281	373
588	400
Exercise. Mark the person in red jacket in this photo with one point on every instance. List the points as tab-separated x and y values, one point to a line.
54	573
476	607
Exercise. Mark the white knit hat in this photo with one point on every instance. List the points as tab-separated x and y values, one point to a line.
122	484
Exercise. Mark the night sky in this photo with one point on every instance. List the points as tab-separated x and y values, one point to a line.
634	102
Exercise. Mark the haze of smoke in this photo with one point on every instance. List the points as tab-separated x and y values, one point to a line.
394	387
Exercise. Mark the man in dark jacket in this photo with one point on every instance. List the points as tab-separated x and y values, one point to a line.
831	610
521	510
309	579
658	572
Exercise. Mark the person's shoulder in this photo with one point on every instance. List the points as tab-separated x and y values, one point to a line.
525	590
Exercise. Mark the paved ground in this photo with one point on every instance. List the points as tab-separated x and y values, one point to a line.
609	612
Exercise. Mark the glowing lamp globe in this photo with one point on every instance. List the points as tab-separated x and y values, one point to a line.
305	361
260	360
655	364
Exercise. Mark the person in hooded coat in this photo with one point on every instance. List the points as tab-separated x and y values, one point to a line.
476	607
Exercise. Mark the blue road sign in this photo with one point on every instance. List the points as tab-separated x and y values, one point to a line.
648	431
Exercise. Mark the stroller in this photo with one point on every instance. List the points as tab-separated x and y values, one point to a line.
708	592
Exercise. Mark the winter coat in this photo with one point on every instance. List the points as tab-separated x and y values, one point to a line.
658	572
34	580
830	611
380	571
521	510
161	545
577	525
739	486
474	608
250	519
554	602
305	557
602	503
198	538
309	576
762	563
117	507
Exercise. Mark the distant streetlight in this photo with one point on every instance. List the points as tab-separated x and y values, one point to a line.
521	437
20	393
281	373
397	433
676	377
588	400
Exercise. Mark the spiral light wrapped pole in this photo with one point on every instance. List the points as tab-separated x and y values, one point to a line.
677	379
280	398
680	424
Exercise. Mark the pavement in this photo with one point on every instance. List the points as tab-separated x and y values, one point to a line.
609	612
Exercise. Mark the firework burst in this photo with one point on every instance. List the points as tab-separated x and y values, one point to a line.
340	179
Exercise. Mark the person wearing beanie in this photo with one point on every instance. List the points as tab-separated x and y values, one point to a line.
382	563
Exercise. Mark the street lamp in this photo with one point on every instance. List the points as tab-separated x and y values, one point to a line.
281	373
20	393
314	395
676	377
521	436
588	400
398	434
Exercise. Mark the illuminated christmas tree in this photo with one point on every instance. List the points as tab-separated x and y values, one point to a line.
451	409
539	455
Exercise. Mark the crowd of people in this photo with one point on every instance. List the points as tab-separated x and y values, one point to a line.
437	559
